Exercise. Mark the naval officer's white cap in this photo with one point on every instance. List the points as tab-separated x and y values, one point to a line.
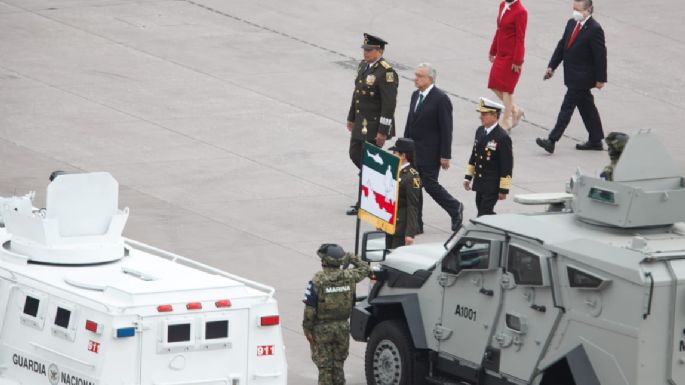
487	105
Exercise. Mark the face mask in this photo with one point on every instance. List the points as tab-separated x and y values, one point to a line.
577	16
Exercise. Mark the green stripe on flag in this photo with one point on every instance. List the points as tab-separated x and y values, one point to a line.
379	159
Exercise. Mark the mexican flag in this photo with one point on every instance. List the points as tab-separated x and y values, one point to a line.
379	188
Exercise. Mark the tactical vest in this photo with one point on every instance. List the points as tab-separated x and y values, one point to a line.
336	296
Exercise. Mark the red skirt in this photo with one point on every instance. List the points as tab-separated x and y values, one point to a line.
502	78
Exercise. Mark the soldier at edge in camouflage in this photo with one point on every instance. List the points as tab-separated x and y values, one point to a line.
616	142
328	300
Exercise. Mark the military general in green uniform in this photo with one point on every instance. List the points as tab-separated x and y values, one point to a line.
328	300
374	100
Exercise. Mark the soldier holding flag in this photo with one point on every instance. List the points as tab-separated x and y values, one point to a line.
407	223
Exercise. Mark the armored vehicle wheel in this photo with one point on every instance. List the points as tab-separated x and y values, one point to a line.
391	358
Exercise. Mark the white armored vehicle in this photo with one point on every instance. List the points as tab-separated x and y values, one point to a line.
592	294
85	306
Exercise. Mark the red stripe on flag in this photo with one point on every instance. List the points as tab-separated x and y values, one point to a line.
365	191
386	206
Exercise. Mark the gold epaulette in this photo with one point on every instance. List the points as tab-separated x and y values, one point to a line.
413	171
470	170
386	65
505	183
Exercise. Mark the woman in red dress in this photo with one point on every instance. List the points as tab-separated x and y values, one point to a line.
506	56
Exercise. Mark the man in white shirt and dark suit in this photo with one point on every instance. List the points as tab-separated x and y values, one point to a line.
429	124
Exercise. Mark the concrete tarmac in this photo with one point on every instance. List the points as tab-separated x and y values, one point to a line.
224	121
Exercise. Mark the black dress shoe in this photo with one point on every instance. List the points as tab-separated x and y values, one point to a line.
597	146
458	219
352	210
547	144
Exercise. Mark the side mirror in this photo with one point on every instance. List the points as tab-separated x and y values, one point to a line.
373	246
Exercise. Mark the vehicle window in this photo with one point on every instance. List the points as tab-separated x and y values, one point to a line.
62	317
216	329
468	254
31	306
579	279
513	322
524	266
178	333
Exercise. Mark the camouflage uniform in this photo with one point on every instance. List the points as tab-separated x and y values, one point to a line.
329	298
616	142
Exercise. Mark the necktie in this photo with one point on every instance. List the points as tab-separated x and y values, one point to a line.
418	102
573	35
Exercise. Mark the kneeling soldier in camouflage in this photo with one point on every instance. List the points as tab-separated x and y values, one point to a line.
328	300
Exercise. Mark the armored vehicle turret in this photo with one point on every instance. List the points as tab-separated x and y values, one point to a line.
591	292
83	305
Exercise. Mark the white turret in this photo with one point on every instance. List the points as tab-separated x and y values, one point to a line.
83	305
81	223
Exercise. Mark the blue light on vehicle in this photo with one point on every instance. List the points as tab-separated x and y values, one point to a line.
126	332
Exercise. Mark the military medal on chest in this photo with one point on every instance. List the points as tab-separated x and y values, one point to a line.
491	146
370	79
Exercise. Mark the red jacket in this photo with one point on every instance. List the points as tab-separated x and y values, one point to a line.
511	33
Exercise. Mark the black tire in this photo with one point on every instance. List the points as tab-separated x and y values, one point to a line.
391	358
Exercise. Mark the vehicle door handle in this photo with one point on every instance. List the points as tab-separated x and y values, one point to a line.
540	308
487	292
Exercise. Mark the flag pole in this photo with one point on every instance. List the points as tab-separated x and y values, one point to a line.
359	189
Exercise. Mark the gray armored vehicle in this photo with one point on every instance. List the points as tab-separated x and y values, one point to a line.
591	293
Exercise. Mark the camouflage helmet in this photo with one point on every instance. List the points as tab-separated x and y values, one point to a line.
616	142
331	254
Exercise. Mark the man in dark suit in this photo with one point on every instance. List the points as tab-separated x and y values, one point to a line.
373	101
492	160
429	124
584	53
